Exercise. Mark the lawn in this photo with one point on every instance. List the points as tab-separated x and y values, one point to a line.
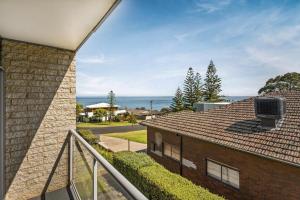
135	136
102	124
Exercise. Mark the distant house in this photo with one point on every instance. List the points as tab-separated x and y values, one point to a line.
246	150
205	106
94	107
90	109
143	114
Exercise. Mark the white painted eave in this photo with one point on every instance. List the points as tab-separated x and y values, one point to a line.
63	24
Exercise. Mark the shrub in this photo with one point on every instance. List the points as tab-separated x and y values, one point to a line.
95	119
85	119
93	140
132	119
117	118
156	182
88	136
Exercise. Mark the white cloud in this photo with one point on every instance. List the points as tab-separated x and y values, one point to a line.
97	59
210	6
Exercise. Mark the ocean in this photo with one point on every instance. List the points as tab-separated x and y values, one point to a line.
158	102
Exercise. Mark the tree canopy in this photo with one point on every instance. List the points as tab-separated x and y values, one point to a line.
188	89
287	82
111	101
212	84
177	101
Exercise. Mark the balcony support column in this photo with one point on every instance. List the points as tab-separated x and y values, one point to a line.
95	176
71	139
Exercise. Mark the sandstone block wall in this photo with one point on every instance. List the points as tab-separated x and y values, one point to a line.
40	109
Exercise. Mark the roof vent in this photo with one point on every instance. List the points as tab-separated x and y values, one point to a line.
270	110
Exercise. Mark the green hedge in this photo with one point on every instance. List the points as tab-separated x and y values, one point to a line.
94	140
156	182
89	136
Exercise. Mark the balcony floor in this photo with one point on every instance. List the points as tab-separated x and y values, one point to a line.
61	194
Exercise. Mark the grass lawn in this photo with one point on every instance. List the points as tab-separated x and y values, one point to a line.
102	124
135	136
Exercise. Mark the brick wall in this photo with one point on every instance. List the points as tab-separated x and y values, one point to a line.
40	109
259	178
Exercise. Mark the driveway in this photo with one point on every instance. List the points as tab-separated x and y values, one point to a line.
116	129
117	144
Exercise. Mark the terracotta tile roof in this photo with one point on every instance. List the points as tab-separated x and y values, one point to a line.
235	126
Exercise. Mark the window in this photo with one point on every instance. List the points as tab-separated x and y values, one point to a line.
156	146
171	151
223	173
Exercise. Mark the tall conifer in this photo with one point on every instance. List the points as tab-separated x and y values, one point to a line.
177	101
212	85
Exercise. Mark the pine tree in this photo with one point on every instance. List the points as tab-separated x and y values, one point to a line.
198	87
111	101
177	102
212	86
188	91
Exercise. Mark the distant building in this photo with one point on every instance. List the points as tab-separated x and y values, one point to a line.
142	114
90	109
205	106
248	149
94	107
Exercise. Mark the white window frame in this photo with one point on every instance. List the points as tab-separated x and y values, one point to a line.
2	136
222	168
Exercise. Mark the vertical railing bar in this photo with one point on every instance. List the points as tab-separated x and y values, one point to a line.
71	159
95	176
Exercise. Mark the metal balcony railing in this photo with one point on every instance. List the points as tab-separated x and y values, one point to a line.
92	177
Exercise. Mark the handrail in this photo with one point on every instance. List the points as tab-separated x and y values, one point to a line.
131	189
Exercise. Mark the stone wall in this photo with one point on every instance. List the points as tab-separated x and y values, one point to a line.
260	178
40	109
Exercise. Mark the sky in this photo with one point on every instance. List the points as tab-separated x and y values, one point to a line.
145	47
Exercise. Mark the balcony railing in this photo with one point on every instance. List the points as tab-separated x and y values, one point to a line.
92	177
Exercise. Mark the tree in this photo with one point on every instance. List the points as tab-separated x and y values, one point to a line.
198	87
132	119
100	113
79	109
164	111
212	85
188	89
177	101
111	101
286	82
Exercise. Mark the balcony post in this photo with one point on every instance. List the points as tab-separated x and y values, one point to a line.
71	159
95	176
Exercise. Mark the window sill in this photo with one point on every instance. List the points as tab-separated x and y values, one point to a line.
156	153
223	183
174	159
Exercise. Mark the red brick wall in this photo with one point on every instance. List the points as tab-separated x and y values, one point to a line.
260	178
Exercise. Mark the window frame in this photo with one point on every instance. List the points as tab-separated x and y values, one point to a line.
171	145
222	165
154	147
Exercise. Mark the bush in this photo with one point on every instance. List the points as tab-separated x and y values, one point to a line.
95	119
93	140
89	136
156	182
117	118
131	119
85	119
